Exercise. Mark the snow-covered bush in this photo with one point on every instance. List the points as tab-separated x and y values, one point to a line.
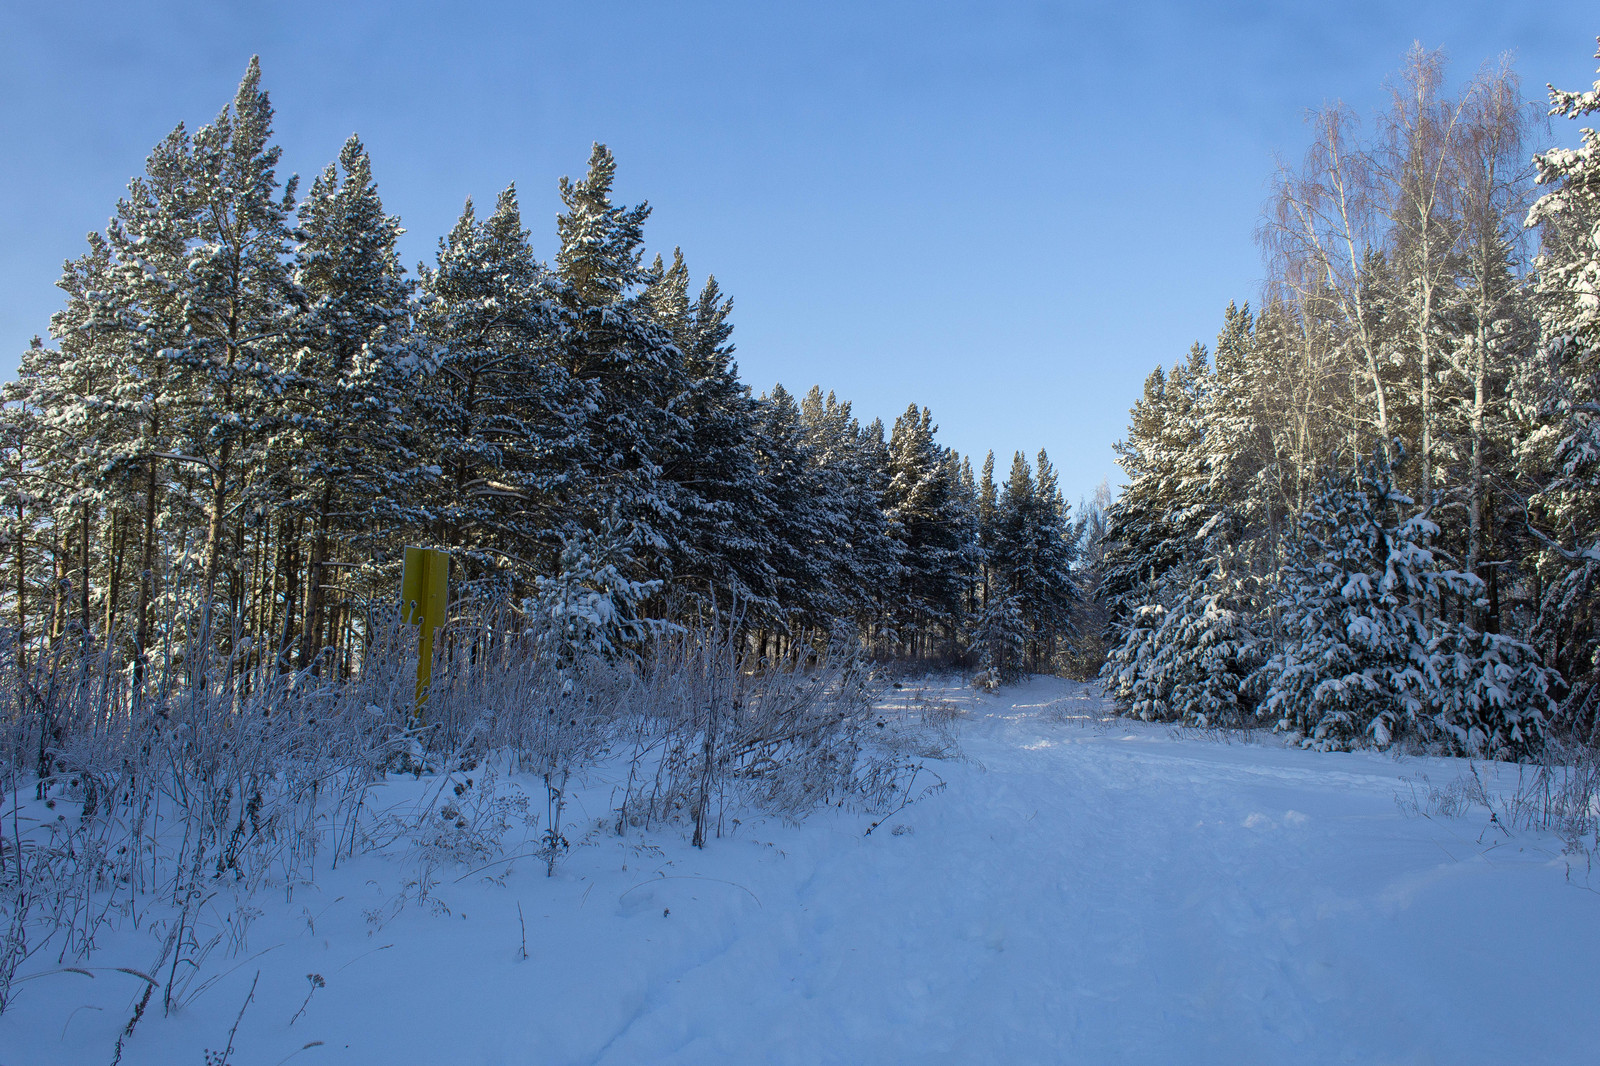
715	727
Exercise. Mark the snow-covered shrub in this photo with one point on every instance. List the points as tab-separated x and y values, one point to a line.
714	726
1557	791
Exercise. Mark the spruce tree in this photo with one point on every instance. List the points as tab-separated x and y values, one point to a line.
1370	650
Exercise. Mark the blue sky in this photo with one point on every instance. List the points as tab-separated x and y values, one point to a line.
1008	212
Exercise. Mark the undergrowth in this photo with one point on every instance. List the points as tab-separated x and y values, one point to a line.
169	794
1558	792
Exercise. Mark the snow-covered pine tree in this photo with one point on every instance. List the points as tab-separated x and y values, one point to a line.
1153	525
613	343
1055	549
591	605
347	450
1032	556
1371	652
1192	659
236	297
861	555
1560	398
877	543
21	513
502	417
1360	591
78	433
924	509
972	533
1001	639
721	542
180	314
149	238
1155	533
988	501
807	517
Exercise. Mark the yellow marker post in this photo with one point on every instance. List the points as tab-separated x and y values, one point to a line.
424	599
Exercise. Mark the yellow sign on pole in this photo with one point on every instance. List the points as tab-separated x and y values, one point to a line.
424	600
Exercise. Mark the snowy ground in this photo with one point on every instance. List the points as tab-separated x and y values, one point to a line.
1082	891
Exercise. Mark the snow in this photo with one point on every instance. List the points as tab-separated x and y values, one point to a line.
1083	889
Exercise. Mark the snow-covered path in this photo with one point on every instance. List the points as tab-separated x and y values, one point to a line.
1080	892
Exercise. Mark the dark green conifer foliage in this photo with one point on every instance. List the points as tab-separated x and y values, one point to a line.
925	514
503	418
346	450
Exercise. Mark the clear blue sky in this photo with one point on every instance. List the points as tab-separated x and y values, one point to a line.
1008	212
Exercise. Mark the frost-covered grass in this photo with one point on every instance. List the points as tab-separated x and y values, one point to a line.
166	809
1063	886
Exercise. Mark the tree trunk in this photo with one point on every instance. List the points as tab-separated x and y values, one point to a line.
214	518
312	644
22	581
59	604
1475	486
290	568
147	563
83	558
119	547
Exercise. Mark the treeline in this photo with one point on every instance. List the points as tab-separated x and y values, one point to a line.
1372	510
249	409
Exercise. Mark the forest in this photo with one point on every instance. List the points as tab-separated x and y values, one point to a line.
1368	512
248	408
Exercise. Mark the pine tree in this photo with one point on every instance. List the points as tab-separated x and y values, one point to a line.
1560	397
591	605
236	298
78	431
1153	525
876	543
149	242
613	343
805	516
1194	658
720	542
860	553
924	513
503	417
1370	651
347	447
20	492
988	500
1032	556
1001	638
